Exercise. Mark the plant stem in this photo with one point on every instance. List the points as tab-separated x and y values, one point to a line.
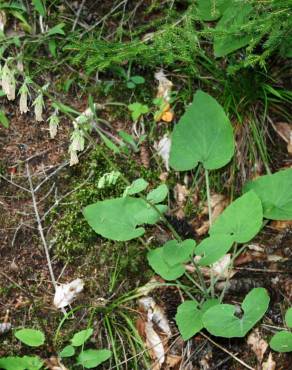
212	283
208	196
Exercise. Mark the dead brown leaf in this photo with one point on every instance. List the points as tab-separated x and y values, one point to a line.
180	194
218	203
284	130
281	225
270	364
258	344
54	363
155	346
172	361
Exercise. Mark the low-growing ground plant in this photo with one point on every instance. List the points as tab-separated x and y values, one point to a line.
203	136
85	358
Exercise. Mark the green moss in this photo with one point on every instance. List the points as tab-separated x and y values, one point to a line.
71	234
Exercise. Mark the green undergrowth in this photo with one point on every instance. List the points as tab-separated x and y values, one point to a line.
71	234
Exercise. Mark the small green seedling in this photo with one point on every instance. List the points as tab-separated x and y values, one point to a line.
89	358
133	81
137	110
168	261
282	341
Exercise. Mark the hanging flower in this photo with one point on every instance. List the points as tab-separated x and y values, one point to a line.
8	82
73	156
77	140
38	107
53	124
23	91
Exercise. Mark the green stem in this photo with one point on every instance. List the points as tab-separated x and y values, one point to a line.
208	196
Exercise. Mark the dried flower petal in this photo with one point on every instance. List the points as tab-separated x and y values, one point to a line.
38	107
23	91
53	124
8	82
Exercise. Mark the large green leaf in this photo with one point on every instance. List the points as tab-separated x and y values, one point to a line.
118	218
91	358
275	192
21	363
213	248
203	134
229	32
210	10
30	337
241	220
221	321
189	317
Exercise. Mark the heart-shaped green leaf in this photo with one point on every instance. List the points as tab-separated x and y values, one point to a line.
213	248
203	134
275	193
91	358
175	252
282	342
117	219
30	337
81	337
157	262
241	220
221	321
229	33
189	317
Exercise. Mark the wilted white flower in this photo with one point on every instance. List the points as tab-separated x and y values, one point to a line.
38	107
19	65
8	82
23	91
73	156
66	293
163	150
3	20
53	124
77	140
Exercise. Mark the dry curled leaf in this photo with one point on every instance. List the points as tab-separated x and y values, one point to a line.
54	363
258	344
284	130
66	293
180	194
218	203
155	314
155	346
270	364
5	327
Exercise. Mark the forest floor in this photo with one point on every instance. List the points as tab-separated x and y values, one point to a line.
42	197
